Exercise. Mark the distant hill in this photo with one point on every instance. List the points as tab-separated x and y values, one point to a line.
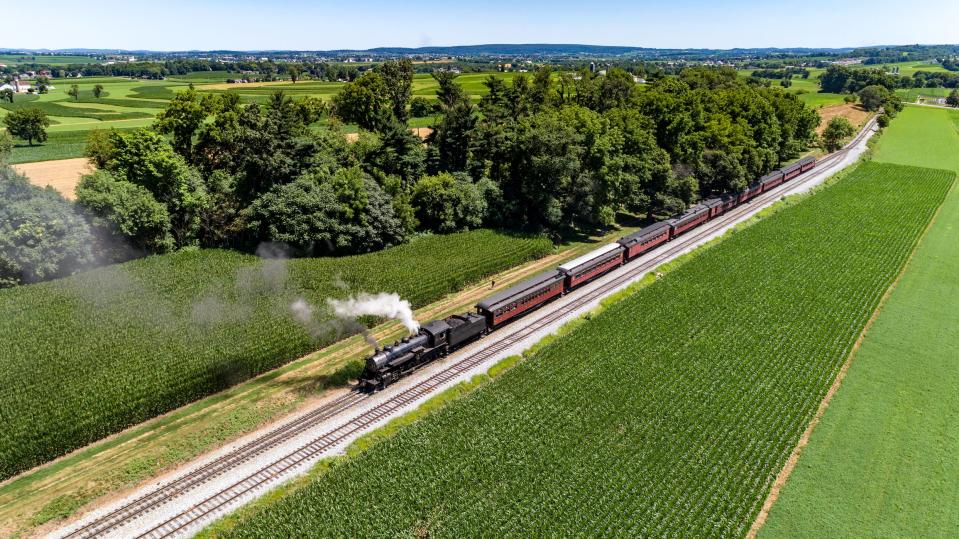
503	49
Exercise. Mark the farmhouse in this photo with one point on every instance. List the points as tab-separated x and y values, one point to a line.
17	87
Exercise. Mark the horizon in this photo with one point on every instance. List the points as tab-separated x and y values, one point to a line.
27	50
295	25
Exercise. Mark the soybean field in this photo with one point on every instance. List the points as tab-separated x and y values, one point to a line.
668	414
88	355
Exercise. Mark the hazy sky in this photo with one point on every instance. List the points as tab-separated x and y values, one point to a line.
317	25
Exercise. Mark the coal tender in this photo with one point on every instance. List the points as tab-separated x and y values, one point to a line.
434	340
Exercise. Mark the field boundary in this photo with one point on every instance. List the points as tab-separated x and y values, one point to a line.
783	476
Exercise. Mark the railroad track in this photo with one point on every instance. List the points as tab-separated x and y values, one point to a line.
508	337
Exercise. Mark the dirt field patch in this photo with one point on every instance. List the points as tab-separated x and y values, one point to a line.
61	174
856	115
421	132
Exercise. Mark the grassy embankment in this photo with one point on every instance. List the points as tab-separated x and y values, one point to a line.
882	462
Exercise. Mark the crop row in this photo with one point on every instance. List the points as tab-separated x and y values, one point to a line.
86	356
669	414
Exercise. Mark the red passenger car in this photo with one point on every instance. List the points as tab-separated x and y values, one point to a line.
521	297
693	217
592	264
639	242
715	206
771	180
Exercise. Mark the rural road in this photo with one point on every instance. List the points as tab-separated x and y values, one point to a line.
179	505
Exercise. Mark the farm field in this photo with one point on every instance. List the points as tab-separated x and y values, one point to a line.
37	500
881	462
856	114
910	95
134	103
62	174
806	89
670	413
103	350
908	68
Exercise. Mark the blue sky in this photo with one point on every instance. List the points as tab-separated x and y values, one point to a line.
243	24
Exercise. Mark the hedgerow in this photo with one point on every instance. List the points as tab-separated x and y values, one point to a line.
86	356
670	413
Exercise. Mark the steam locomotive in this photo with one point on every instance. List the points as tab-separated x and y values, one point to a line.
439	337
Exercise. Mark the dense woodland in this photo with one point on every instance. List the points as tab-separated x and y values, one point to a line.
550	153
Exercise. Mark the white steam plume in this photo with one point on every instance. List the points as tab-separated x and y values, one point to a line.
382	304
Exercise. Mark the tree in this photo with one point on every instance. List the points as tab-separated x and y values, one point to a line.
74	92
398	82
874	97
7	94
259	145
953	99
41	234
97	90
294	72
28	124
452	137
6	147
837	130
99	147
128	218
420	107
340	214
445	203
182	117
615	89
834	79
364	102
449	93
144	158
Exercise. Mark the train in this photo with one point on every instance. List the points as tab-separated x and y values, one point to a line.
438	338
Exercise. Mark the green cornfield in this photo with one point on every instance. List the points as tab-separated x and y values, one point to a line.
667	415
83	357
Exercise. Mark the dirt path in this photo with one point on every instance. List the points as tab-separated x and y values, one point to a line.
856	114
62	174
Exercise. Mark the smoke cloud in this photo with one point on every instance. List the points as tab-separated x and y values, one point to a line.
383	304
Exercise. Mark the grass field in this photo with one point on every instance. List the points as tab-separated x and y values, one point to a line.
807	89
669	414
882	462
91	354
907	69
910	95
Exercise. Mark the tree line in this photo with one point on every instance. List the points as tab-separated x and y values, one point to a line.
552	153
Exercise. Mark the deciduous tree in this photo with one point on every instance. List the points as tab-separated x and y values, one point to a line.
42	236
130	221
28	124
837	130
